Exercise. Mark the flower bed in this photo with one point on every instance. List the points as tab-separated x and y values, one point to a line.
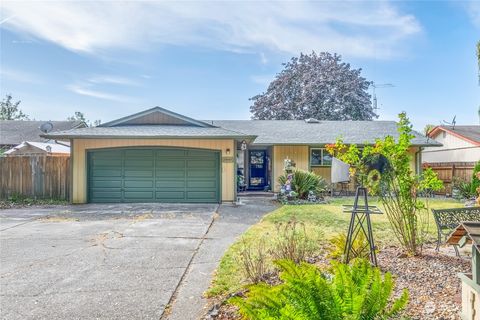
431	279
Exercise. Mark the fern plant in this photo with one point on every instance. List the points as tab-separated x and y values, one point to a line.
354	292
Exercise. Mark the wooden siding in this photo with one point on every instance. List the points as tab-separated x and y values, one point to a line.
299	154
35	177
81	146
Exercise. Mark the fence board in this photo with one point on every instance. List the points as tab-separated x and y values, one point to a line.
449	171
35	176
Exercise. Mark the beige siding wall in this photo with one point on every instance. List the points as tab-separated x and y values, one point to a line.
454	149
299	154
80	146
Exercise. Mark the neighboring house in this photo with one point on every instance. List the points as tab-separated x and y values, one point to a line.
161	156
14	132
28	148
456	158
459	144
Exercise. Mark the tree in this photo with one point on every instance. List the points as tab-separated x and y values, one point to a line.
428	128
397	186
10	110
318	86
80	116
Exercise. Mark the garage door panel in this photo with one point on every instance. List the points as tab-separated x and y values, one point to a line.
170	195
138	163
138	173
154	175
138	153
170	163
201	184
113	162
146	195
162	174
201	195
201	164
201	174
105	194
138	184
106	184
107	172
166	183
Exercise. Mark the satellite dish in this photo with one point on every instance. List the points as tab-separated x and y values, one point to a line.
46	127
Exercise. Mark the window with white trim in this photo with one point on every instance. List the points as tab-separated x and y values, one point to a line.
320	157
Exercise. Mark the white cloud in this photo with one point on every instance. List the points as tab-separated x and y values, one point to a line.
116	80
473	9
18	76
363	29
85	90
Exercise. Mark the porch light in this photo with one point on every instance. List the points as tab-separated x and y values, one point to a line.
227	152
244	145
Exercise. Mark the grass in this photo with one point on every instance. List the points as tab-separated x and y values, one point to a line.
322	222
25	201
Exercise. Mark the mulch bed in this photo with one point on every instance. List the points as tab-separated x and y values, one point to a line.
432	281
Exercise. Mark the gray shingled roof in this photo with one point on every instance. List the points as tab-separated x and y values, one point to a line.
469	132
265	132
323	132
13	132
149	131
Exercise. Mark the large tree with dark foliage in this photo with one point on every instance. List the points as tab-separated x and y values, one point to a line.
318	86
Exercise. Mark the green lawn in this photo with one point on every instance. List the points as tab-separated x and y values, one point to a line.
321	221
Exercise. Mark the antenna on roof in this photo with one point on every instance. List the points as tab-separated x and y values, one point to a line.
451	123
46	127
375	86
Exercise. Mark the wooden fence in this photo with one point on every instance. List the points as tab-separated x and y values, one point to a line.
449	171
35	177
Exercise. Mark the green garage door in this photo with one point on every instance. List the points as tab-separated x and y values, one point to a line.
153	175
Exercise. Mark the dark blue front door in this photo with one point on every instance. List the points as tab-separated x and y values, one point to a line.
257	161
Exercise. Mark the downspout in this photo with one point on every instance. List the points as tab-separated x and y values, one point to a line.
418	159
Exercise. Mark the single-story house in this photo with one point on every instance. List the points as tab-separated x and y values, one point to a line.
459	144
29	148
14	132
455	158
160	156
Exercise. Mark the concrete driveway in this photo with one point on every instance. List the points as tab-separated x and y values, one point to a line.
122	261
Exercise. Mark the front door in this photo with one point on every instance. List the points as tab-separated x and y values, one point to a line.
257	161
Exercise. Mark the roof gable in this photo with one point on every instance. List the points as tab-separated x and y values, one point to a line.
470	134
155	116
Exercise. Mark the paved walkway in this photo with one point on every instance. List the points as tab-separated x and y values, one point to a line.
117	261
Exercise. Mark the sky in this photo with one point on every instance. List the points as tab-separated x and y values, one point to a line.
205	59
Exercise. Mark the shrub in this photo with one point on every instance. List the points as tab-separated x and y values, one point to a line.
303	182
463	189
253	259
356	291
291	242
398	187
360	248
475	179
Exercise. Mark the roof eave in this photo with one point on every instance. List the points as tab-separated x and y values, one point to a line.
235	137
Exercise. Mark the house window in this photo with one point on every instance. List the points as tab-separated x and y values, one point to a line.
320	157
